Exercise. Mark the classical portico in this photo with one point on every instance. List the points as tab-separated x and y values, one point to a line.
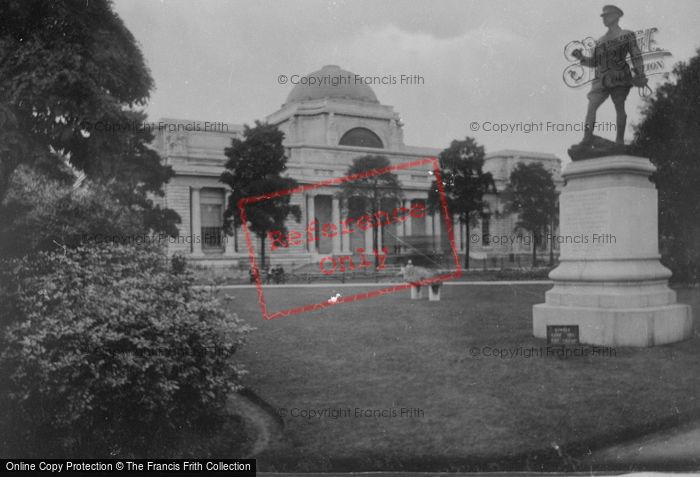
325	208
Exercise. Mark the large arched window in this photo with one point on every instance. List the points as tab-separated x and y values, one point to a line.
362	137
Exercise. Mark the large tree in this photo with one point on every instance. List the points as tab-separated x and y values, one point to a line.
72	80
45	214
254	167
532	195
370	194
669	135
464	183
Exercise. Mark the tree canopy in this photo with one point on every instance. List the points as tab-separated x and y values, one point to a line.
254	167
464	183
669	136
72	80
532	194
370	194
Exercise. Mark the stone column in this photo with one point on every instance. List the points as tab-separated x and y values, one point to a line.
335	218
345	239
401	236
610	284
437	220
457	230
196	222
310	217
407	224
230	244
368	240
429	229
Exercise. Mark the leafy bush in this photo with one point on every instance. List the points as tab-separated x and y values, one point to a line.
41	213
178	264
105	351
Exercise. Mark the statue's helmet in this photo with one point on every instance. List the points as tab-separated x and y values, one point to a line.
611	9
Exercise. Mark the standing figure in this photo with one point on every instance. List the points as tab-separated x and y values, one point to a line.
612	73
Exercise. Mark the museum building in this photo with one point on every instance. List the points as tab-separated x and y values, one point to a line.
325	128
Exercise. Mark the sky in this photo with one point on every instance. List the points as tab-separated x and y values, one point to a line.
484	63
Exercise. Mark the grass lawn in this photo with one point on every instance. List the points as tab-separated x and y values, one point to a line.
389	353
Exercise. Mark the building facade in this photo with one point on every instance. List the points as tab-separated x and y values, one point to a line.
496	242
325	128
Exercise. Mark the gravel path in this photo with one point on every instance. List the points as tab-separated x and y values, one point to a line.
671	448
268	429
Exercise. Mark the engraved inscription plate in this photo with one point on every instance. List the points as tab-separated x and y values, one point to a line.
562	335
585	221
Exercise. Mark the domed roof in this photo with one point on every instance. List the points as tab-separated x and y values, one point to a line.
331	81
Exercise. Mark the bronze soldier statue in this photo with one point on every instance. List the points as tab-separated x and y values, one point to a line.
612	78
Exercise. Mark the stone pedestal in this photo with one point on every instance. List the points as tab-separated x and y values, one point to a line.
434	292
610	281
416	293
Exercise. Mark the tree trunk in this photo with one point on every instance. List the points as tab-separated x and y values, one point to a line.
551	244
449	245
467	241
534	249
375	229
262	254
375	244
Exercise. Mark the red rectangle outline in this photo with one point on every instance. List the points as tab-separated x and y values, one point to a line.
358	296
